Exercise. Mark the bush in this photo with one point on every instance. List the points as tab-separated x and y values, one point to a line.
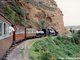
10	14
17	8
76	37
53	48
16	14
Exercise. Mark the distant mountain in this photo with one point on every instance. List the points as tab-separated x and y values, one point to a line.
73	27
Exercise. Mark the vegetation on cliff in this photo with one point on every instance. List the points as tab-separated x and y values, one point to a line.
14	12
40	4
58	48
30	13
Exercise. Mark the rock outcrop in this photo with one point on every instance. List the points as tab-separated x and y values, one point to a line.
46	10
43	14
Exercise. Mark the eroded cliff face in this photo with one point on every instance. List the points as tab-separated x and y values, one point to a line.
45	10
39	13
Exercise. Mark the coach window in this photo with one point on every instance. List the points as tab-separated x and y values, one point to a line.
0	28
5	29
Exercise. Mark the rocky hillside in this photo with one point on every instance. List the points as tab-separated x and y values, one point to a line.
34	13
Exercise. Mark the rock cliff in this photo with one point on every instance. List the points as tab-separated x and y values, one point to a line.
42	14
45	10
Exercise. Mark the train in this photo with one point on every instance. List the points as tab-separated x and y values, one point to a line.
11	34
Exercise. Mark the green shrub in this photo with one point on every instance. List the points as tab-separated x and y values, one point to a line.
17	8
16	14
53	48
76	37
10	14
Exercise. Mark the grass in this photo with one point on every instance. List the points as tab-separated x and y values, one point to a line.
53	48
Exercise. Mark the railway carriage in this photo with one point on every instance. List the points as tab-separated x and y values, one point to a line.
11	34
5	35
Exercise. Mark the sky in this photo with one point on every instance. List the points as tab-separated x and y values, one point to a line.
71	11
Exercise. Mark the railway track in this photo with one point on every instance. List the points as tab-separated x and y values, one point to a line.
15	45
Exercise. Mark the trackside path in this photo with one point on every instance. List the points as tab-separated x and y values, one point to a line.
20	52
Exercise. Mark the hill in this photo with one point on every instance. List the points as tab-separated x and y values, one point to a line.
36	14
